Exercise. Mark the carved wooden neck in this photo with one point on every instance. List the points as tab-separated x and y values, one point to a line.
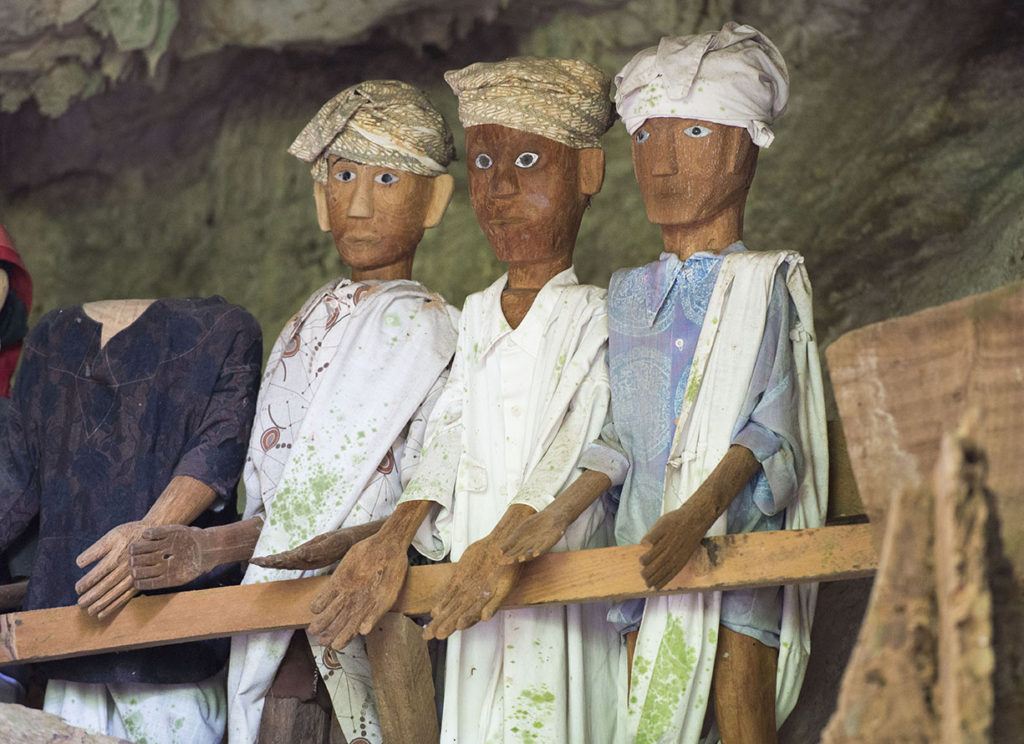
115	315
398	270
713	236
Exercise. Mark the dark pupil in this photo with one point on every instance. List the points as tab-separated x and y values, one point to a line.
484	161
346	175
696	130
387	178
527	159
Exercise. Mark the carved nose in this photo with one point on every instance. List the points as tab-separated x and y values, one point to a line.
504	182
362	200
664	162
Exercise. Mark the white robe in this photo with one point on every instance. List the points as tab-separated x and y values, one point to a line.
518	410
345	380
675	652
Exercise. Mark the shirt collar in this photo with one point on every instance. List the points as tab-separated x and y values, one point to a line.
530	333
660	276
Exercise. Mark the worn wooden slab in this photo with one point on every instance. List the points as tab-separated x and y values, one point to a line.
403	682
11	595
902	383
729	562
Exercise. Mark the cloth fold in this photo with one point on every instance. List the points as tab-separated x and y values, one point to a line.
735	76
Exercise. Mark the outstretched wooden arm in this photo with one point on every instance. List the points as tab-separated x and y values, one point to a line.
322	550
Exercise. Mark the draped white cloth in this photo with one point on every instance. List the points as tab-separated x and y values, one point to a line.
517	412
675	652
333	441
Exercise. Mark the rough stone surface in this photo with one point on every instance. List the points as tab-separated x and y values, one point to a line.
21	725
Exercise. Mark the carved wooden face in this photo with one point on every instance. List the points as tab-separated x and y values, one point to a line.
690	170
377	215
526	192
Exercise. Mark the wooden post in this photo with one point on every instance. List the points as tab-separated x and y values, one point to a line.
402	681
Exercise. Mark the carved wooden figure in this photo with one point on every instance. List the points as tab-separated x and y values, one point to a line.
128	414
716	395
342	405
528	390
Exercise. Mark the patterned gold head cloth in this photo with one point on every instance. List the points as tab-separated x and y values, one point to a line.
379	122
562	99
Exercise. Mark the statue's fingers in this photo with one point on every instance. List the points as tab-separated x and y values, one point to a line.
161	532
108	581
94	552
471	616
328	595
115	606
96	574
339	628
102	601
147	546
284	559
659	572
147	571
491	606
656	551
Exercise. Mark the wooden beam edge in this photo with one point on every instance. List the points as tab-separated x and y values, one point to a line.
727	562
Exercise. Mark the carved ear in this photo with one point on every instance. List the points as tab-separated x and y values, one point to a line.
591	170
442	187
323	215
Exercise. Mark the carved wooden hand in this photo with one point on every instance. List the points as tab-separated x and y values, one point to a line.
541	531
482	580
108	586
362	588
675	536
672	541
168	556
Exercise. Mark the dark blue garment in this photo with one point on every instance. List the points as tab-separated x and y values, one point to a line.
96	434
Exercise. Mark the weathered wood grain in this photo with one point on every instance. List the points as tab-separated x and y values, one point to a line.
729	562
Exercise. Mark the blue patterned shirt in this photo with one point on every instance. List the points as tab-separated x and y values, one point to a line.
655	314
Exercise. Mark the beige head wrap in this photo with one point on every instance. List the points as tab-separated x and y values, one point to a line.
379	122
562	99
736	77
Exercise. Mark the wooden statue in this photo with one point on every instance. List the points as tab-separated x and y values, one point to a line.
528	390
126	415
716	396
345	395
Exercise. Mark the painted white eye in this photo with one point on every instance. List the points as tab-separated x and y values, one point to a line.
386	178
483	161
345	176
697	131
642	136
527	159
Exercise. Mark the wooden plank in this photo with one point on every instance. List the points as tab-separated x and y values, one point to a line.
12	595
403	682
900	384
729	562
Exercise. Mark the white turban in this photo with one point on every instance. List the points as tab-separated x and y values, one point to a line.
735	77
